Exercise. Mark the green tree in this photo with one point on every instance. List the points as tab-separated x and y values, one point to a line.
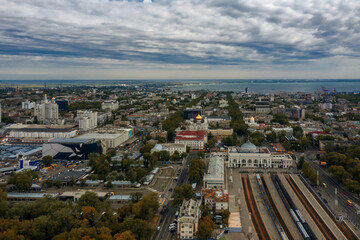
196	170
136	197
47	160
225	216
257	138
182	192
301	162
109	184
271	137
21	180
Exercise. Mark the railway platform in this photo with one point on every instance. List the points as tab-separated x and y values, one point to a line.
285	215
301	208
318	208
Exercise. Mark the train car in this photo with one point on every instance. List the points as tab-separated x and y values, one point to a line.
349	203
284	236
303	232
293	215
302	220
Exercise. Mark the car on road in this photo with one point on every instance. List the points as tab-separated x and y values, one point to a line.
158	228
170	189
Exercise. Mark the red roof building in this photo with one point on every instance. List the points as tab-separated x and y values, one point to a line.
194	139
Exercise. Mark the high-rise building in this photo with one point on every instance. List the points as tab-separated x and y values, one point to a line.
47	110
28	105
87	119
0	112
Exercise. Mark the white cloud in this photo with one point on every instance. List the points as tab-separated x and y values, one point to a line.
184	33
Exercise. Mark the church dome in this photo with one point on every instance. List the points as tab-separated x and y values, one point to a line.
252	119
248	147
198	117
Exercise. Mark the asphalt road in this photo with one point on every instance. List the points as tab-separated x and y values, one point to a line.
168	217
332	183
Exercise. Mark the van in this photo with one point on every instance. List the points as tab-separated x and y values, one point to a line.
176	214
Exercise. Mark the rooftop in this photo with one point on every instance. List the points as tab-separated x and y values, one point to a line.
215	170
191	135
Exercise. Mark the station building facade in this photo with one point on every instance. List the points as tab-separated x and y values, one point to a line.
251	156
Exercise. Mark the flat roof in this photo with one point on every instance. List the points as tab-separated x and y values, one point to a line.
80	193
69	140
29	195
234	220
102	135
120	197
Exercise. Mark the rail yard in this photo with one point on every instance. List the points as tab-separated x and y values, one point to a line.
283	206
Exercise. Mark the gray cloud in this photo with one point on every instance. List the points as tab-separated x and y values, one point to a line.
183	34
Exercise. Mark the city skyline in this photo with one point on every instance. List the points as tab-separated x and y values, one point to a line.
179	39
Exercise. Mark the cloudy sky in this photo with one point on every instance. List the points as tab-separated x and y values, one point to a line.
179	39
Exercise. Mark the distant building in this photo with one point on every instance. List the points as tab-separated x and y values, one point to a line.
196	140
170	147
188	220
325	106
262	105
110	105
249	155
71	148
28	105
108	140
287	130
39	133
87	119
47	110
191	113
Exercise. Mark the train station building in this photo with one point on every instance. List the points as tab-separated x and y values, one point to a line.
251	156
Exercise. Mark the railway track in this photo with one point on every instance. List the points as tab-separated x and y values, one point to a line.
319	222
276	211
343	228
251	204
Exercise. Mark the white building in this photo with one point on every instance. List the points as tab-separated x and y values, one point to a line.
196	140
188	220
217	198
26	132
28	105
108	140
169	147
111	105
214	178
47	110
249	155
87	119
325	105
287	130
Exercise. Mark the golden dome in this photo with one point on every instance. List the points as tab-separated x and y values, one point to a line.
198	117
252	119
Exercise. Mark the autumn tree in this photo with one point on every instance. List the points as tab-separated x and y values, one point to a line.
127	235
205	228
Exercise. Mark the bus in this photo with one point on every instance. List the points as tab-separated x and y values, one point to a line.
324	185
349	203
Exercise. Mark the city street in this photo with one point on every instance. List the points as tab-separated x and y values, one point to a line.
168	217
329	193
